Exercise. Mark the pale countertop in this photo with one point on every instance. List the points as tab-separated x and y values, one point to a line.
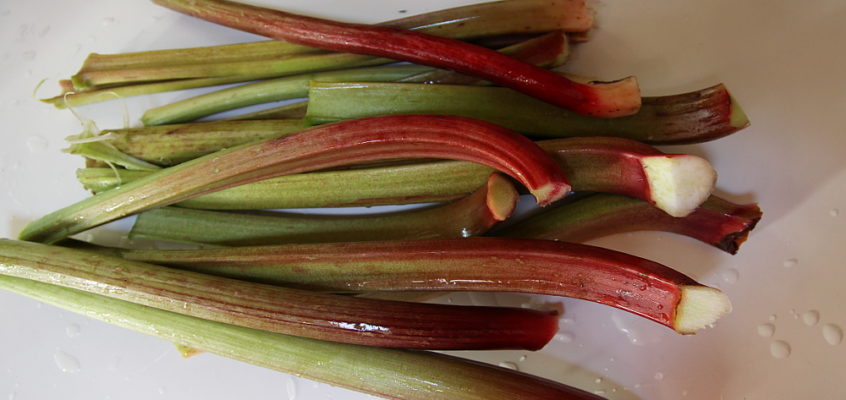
783	61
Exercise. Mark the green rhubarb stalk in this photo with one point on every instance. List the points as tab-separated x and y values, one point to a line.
547	50
346	143
630	283
470	216
717	221
693	117
104	152
399	184
283	310
265	92
676	183
388	373
293	110
168	145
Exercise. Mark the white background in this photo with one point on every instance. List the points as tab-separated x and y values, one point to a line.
783	61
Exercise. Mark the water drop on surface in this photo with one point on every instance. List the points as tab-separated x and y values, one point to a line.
790	262
72	330
684	393
509	365
834	212
730	276
766	330
466	232
66	362
780	349
811	317
773	318
564	337
598	380
832	334
522	358
659	376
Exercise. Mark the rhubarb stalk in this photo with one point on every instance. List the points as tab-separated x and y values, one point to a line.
692	117
344	143
290	311
600	99
389	373
630	283
717	221
470	216
676	183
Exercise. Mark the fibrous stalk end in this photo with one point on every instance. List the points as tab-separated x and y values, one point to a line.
700	307
617	98
550	192
678	184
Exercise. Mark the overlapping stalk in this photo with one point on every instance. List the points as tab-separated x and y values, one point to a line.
297	312
675	183
470	216
643	287
345	143
390	373
717	221
692	117
610	99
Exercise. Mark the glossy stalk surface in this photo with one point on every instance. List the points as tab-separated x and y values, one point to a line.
388	373
272	308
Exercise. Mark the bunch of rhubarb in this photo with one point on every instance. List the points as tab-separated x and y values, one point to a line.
458	126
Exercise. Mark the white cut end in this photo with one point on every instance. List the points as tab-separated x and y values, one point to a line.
679	183
700	307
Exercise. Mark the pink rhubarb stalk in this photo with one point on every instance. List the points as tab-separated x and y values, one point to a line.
634	284
611	99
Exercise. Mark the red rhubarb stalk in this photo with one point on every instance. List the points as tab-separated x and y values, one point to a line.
630	283
290	311
612	99
717	221
350	142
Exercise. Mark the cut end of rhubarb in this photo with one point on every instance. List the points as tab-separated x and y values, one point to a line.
617	98
700	307
502	197
550	192
737	117
678	184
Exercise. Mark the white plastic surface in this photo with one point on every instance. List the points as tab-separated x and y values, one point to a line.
783	61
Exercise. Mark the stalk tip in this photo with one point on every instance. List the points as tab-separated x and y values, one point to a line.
550	192
501	197
678	184
700	307
617	98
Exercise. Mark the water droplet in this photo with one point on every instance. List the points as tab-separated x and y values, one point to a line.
622	325
509	365
567	320
780	349
522	358
72	330
832	334
597	380
766	330
684	393
564	337
612	359
834	212
773	318
637	386
66	362
811	317
108	21
790	262
466	232
217	170
730	276
659	376
291	388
